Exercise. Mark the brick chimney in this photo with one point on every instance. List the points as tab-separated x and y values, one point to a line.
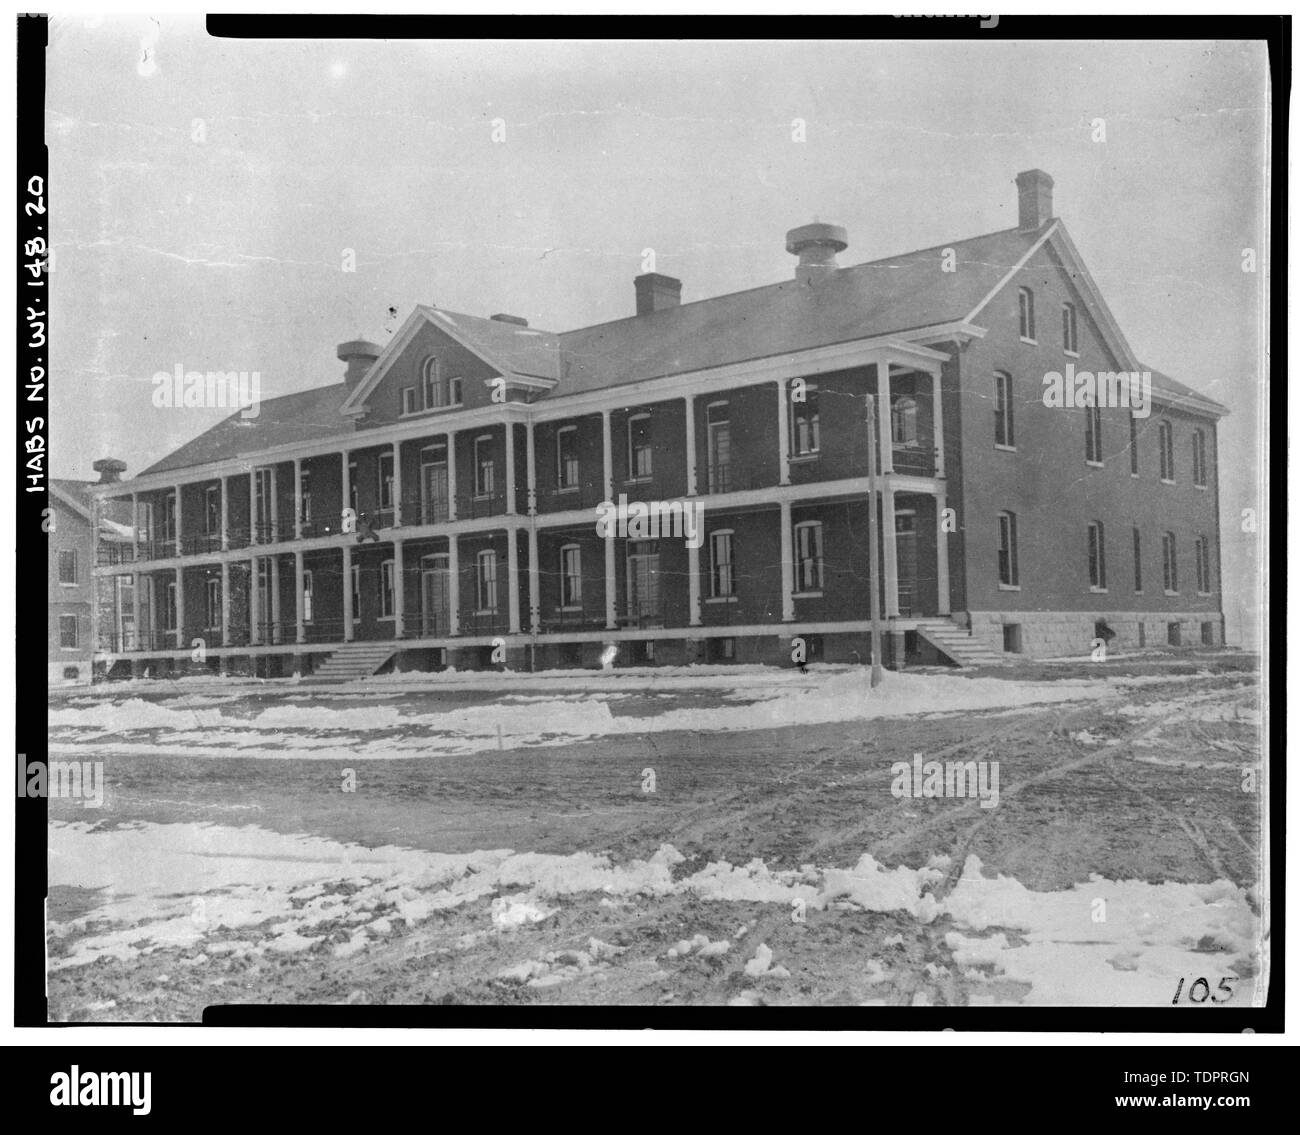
110	470
816	245
360	357
517	320
1035	188
655	293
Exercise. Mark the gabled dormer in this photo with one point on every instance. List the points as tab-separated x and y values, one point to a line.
441	362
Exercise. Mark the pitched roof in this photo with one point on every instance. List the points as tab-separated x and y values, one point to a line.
1176	393
305	416
897	293
518	350
894	294
77	496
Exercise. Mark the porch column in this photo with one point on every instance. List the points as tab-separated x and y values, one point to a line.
531	458
783	433
135	528
512	577
937	386
297	498
252	505
277	633
451	476
399	597
453	585
225	514
693	571
254	602
611	585
300	599
180	526
787	564
225	603
510	469
941	555
346	482
884	419
534	582
137	623
397	484
692	472
180	609
347	593
275	506
890	545
608	453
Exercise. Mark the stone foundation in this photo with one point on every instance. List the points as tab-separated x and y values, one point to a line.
1061	634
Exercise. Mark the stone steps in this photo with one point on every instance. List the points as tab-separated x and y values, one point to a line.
354	661
958	644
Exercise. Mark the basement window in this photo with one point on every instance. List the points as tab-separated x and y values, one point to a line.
1011	638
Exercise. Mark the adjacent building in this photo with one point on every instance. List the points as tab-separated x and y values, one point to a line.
438	505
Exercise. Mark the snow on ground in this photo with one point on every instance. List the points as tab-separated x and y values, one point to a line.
246	891
773	699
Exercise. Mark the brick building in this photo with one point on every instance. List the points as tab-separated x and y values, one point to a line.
75	593
439	502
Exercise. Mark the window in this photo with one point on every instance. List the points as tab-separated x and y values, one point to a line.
1198	459
1137	561
1097	556
1207	634
902	420
719	425
308	606
385	480
356	591
408	399
68	632
68	567
805	425
1169	549
808	573
487	581
485	468
1133	444
352	485
1004	422
212	510
1174	633
212	603
1166	451
387	595
1008	556
1011	638
435	395
722	578
566	457
1202	565
639	463
1069	328
1092	434
1027	315
454	385
570	576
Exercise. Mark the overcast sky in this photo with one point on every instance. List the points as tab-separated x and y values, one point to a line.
203	192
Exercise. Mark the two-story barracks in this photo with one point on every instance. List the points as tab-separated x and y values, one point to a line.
441	500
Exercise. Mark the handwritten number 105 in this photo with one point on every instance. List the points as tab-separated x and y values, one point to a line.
1204	986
